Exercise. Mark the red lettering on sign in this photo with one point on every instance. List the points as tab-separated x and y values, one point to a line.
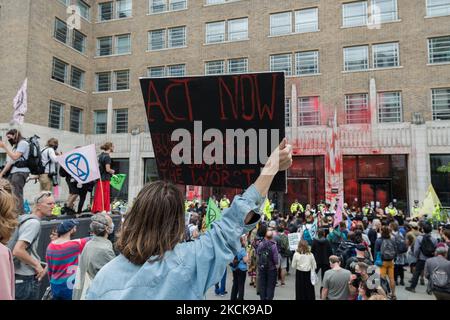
233	100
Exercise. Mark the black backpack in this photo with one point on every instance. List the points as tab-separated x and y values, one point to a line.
264	257
34	161
427	246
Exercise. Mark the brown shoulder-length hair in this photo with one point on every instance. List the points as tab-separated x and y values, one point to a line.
154	225
106	146
385	232
303	247
8	214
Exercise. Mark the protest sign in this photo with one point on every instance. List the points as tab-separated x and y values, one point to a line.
215	130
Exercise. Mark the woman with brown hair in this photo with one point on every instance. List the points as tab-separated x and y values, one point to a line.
304	262
102	201
8	223
154	262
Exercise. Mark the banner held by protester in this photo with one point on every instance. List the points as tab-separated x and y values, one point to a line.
81	164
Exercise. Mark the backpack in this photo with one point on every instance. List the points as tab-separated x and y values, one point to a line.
307	236
388	250
15	237
439	279
283	246
400	244
345	251
264	257
427	246
34	161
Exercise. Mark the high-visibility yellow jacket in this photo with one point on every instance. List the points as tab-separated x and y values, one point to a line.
295	207
224	203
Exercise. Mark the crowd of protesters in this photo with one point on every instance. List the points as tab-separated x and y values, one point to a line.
165	252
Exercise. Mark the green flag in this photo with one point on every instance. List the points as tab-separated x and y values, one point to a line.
117	181
213	213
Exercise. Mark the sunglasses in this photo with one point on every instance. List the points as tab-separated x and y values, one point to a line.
44	194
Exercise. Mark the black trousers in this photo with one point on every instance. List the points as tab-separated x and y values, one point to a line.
237	291
267	283
420	266
399	272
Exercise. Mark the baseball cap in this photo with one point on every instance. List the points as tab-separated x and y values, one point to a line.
66	226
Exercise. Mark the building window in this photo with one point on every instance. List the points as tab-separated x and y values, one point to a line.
76	119
77	78
307	62
105	11
150	170
389	107
60	31
79	41
177	37
281	62
157	39
308	111
384	11
65	2
280	23
441	103
370	12
122	79
287	112
215	32
56	115
104	46
158	6
357	108
239	65
120	121
156	72
123	44
385	55
354	14
356	58
307	20
59	72
103	81
100	122
76	41
238	29
440	176
436	8
218	1
123	9
439	50
177	5
215	67
178	70
84	9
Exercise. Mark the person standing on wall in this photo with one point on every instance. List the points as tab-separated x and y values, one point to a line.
102	189
48	154
17	166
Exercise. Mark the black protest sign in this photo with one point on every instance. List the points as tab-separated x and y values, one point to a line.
215	130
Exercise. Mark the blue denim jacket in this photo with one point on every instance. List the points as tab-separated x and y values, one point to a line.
186	272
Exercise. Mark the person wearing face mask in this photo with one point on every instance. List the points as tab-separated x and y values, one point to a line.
97	252
48	157
18	172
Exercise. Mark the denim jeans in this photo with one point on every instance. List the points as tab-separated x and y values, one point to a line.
27	288
221	289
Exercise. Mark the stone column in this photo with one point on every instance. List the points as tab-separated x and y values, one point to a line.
109	117
136	167
419	164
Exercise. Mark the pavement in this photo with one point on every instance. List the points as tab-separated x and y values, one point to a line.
287	292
